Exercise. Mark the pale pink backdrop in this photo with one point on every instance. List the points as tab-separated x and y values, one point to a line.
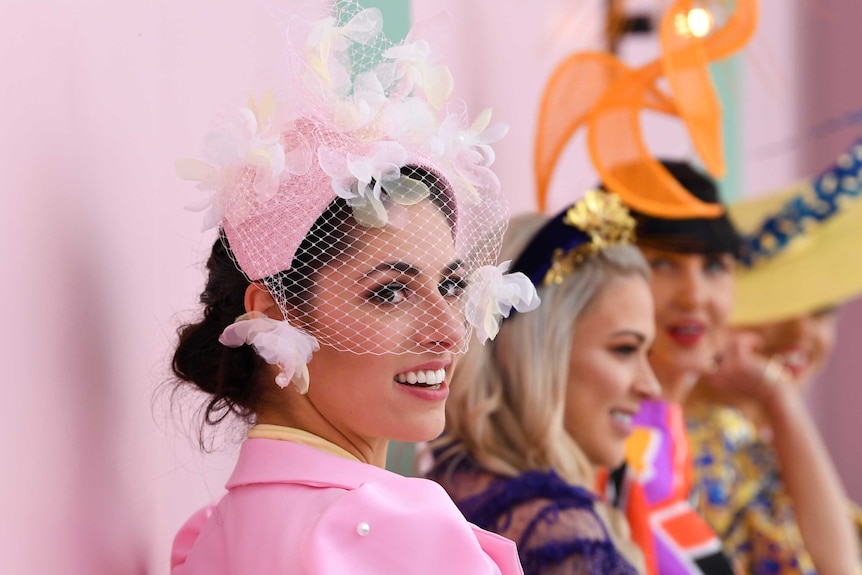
101	262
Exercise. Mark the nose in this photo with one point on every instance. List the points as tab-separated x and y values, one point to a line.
440	324
795	329
646	384
691	290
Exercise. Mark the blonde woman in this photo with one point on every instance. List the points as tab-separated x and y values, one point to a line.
532	415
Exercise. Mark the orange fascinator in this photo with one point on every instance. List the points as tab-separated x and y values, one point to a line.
598	91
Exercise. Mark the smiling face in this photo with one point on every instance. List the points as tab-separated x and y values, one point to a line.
693	296
804	342
397	291
609	373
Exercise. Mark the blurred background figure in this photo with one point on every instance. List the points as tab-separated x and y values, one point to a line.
683	233
764	479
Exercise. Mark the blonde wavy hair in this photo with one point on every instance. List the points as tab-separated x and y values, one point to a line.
507	398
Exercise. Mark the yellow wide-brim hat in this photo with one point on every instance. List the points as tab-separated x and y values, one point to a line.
803	245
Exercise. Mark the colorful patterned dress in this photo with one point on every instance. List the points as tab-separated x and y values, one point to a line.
741	493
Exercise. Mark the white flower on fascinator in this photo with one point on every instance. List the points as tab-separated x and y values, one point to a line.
410	120
277	343
327	37
360	179
211	179
470	152
365	104
251	140
415	67
492	295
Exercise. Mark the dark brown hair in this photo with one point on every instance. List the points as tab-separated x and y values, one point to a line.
693	235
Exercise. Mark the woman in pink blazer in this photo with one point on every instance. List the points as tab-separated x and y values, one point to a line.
358	236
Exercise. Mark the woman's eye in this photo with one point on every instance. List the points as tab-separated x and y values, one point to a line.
716	265
452	287
660	264
391	293
625	349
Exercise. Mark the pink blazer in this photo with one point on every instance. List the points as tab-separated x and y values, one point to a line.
294	509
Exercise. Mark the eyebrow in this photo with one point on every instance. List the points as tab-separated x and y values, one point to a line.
453	267
640	337
409	269
402	267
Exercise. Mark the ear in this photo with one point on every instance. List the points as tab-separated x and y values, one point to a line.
258	298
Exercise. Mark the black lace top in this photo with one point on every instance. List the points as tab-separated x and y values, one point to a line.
554	524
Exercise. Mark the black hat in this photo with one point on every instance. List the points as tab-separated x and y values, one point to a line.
692	235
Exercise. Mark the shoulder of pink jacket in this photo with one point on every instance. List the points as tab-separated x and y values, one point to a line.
403	525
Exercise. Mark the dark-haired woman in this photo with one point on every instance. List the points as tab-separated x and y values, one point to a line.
692	263
334	312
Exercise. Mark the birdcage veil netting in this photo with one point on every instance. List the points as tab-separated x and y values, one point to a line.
366	204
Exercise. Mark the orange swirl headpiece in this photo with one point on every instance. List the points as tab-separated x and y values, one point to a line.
596	90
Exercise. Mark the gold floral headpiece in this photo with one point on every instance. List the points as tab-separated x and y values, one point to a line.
603	218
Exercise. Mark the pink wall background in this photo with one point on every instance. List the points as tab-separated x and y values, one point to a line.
101	262
501	54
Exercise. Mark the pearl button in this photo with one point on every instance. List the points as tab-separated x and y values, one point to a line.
363	528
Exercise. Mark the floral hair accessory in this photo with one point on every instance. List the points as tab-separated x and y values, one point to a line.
358	145
493	294
360	180
328	37
470	152
277	343
250	141
603	217
597	221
